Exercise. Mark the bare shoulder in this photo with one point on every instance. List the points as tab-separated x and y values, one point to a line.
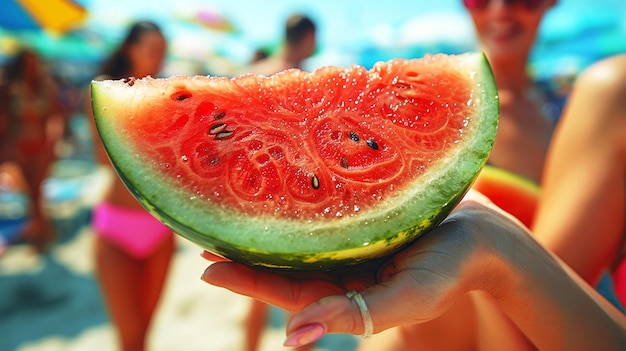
607	76
600	91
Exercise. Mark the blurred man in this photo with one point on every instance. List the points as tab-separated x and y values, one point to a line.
300	43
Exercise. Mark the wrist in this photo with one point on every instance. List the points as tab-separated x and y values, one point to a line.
492	266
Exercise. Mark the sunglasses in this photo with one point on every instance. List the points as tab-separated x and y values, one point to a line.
529	5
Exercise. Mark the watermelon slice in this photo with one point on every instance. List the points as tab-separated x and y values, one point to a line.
303	170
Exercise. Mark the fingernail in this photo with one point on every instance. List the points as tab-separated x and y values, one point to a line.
305	335
207	255
203	276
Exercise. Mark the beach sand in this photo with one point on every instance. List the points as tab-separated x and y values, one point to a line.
52	302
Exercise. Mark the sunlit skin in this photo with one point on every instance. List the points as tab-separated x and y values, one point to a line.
582	212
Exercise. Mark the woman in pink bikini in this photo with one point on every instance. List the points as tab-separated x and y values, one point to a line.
133	249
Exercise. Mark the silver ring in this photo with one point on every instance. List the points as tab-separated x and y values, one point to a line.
368	323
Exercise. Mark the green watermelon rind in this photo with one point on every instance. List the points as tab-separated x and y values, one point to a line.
297	244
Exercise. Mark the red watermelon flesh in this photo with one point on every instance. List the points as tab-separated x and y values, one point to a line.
358	136
336	149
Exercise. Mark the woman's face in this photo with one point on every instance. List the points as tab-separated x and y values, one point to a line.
507	28
148	54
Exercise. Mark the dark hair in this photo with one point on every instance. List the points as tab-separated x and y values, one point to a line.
296	27
260	54
118	65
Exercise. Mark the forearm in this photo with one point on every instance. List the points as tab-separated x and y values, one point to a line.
554	307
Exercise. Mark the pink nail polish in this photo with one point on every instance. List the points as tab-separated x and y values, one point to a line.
305	335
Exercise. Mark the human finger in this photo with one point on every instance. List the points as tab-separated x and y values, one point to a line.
268	286
331	314
385	305
213	257
409	292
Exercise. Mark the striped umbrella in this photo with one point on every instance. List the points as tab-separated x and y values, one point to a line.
57	16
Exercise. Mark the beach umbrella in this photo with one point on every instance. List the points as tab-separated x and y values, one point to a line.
214	20
57	16
206	17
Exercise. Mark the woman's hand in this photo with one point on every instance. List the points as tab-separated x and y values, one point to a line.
478	247
417	284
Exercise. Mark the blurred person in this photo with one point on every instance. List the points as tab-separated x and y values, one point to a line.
31	125
300	44
133	249
506	32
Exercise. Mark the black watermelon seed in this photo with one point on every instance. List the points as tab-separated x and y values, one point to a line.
224	135
344	162
372	144
315	182
180	96
219	115
215	129
354	136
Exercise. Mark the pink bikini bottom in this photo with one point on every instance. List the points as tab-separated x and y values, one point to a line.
135	231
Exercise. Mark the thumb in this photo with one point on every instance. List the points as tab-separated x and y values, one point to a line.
340	314
395	303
